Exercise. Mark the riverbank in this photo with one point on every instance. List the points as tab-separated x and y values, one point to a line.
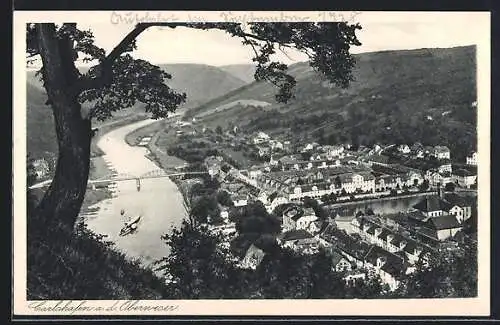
163	160
98	166
104	128
375	200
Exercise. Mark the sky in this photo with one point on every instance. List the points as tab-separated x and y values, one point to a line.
380	31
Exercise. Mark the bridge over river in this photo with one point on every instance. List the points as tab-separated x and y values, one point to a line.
160	173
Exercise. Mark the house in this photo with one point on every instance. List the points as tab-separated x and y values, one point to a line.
363	181
441	152
387	239
333	151
387	182
472	159
444	226
461	206
240	200
41	167
390	267
224	214
276	201
261	137
213	165
417	150
403	148
351	248
316	227
253	257
382	160
414	179
254	172
298	240
433	177
275	144
433	206
308	147
304	221
445	178
464	178
445	168
290	217
339	262
263	150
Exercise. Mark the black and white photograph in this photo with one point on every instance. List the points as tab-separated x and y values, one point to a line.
167	158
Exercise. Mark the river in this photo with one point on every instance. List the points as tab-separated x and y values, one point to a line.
158	201
383	206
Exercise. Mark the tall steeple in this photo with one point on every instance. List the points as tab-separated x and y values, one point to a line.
440	191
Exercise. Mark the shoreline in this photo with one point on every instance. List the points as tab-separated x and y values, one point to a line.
168	163
99	167
382	199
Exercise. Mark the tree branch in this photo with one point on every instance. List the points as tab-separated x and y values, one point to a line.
105	68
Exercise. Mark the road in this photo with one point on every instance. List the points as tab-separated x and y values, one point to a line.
159	201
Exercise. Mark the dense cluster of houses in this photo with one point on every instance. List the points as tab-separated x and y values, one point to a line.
387	245
336	170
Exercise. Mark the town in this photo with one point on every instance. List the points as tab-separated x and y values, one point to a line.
312	187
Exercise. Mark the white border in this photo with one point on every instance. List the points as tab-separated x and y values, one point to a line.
410	307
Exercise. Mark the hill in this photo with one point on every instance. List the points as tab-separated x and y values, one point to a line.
244	72
421	95
40	123
201	83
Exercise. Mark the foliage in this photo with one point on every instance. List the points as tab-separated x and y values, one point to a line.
448	274
202	270
31	176
82	265
449	187
254	218
319	211
224	198
205	209
204	202
394	94
369	288
196	265
424	186
119	81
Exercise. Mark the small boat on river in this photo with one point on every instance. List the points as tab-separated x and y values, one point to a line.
130	226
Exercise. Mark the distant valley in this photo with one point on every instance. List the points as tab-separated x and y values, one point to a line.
200	82
397	96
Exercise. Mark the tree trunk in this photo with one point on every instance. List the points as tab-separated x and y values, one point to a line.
62	201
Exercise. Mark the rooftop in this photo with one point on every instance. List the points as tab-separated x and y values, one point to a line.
463	173
432	203
459	200
295	235
444	222
394	265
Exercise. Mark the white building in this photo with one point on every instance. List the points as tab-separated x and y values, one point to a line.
333	151
404	149
464	178
441	152
304	222
261	137
472	159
